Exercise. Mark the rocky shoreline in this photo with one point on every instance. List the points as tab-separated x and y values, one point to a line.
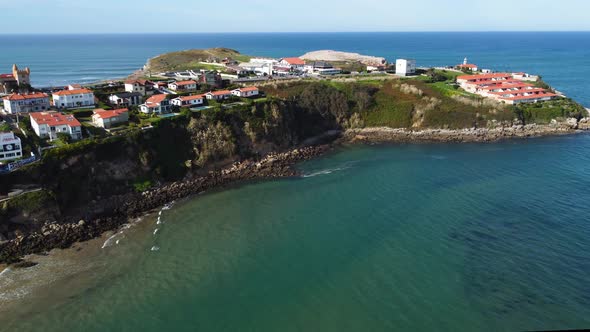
386	134
111	213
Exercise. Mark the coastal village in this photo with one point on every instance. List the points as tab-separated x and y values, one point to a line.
60	115
81	159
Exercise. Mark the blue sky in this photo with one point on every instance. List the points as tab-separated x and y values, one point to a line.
135	16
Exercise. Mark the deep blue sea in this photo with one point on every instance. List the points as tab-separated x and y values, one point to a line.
562	58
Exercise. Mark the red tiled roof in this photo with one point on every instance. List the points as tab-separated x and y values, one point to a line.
6	76
469	65
185	82
195	97
248	88
72	92
220	93
505	85
294	61
103	114
518	91
156	99
36	95
484	76
54	119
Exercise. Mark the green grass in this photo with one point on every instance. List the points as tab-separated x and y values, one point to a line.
190	59
544	112
392	109
449	89
30	202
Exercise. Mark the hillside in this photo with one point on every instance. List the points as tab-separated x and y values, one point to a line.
191	59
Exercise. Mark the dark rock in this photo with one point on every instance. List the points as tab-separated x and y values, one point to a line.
23	264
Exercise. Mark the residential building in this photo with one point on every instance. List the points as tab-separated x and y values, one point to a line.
268	61
22	103
108	119
218	95
10	146
296	64
12	82
49	124
375	67
281	71
188	101
211	78
246	92
470	83
467	66
182	86
160	85
125	99
405	67
76	98
74	86
158	104
259	68
139	86
321	68
505	88
525	77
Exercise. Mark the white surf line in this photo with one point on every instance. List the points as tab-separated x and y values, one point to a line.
5	271
108	241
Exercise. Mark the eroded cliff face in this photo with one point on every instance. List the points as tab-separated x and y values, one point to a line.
177	148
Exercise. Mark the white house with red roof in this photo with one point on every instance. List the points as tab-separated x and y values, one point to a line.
158	104
180	86
75	98
467	66
296	64
10	146
30	102
505	88
107	119
49	124
218	95
189	101
250	91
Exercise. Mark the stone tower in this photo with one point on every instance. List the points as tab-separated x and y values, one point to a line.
22	76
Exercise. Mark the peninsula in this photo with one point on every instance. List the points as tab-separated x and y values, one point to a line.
191	121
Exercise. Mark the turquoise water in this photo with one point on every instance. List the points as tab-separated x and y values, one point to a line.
471	237
562	58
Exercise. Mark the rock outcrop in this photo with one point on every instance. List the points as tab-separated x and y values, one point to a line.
111	213
569	126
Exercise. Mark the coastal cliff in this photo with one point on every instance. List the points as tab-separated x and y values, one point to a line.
95	185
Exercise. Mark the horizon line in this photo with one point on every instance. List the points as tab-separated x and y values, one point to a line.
287	32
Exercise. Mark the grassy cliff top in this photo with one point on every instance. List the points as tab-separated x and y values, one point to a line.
191	59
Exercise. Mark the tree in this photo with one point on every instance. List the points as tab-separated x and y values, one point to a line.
65	138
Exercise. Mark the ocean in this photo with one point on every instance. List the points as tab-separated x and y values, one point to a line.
425	237
408	237
562	58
